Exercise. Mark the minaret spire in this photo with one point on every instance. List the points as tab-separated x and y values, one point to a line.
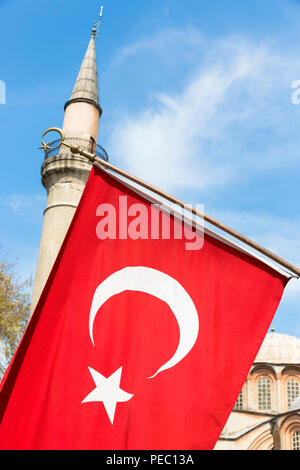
63	174
86	85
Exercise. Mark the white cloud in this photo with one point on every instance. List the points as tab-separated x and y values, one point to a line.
185	41
231	118
30	207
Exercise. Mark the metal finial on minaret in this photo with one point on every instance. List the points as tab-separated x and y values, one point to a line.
94	30
99	21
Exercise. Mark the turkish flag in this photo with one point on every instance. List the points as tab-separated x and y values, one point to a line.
140	340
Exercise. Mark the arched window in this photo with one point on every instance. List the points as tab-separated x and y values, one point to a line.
239	402
296	440
293	390
264	393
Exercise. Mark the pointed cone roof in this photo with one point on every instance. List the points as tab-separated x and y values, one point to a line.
86	86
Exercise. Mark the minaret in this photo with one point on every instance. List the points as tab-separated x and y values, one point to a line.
63	174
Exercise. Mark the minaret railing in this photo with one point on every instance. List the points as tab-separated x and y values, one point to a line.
86	144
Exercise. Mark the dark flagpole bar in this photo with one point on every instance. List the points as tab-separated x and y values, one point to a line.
94	159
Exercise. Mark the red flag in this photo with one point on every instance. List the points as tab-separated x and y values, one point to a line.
137	342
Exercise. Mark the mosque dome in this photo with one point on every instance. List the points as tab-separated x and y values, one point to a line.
279	348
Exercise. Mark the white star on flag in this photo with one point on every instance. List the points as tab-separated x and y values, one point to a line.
107	391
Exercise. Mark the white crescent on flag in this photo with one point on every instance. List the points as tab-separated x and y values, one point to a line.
162	286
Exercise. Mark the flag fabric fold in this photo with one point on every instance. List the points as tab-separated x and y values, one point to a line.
136	342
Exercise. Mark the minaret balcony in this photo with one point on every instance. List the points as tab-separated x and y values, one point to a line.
85	144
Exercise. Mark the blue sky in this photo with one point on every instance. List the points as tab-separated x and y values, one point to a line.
196	98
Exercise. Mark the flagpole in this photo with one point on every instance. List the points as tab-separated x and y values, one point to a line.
104	164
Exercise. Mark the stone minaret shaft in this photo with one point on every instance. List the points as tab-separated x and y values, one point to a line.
63	174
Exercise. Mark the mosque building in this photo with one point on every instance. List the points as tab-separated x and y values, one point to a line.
266	414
